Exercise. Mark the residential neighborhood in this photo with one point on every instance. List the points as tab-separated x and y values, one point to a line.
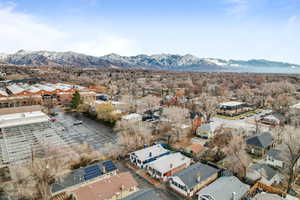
78	140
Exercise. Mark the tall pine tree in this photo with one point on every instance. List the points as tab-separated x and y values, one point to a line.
76	100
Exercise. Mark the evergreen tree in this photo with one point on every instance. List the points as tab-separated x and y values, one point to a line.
76	100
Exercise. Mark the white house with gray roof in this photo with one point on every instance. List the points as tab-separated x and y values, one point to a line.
276	157
224	188
190	180
166	166
144	156
206	130
262	173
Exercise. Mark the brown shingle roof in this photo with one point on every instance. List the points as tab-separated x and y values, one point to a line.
106	188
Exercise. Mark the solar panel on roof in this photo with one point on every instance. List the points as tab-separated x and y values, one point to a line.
109	162
92	175
109	169
91	168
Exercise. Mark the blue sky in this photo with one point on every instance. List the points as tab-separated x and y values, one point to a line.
229	29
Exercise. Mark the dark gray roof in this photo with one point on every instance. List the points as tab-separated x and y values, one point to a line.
276	154
263	140
224	188
266	171
76	177
146	194
189	175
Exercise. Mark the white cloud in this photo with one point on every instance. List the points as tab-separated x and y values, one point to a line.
22	31
237	7
105	44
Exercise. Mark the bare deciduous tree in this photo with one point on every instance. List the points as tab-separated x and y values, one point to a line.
177	117
237	157
291	138
133	134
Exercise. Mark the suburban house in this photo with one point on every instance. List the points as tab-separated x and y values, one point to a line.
206	130
144	156
190	180
115	187
224	188
83	176
232	108
259	144
276	157
273	119
145	194
262	173
168	165
195	149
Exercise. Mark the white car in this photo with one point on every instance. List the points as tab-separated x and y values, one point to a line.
77	122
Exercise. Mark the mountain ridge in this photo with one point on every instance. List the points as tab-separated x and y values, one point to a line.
141	61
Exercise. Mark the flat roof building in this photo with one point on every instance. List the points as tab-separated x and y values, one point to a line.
115	187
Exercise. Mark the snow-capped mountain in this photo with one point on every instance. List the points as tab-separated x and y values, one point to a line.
158	61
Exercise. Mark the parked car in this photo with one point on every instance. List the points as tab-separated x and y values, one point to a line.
53	114
77	123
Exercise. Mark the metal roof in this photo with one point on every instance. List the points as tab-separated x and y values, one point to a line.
15	89
17	119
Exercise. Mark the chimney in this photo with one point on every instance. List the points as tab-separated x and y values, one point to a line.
171	165
103	170
234	196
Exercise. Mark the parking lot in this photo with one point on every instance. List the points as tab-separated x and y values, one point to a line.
89	131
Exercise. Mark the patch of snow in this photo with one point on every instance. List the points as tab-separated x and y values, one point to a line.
215	61
235	65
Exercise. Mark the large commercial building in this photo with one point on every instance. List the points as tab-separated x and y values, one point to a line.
24	132
232	108
22	94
